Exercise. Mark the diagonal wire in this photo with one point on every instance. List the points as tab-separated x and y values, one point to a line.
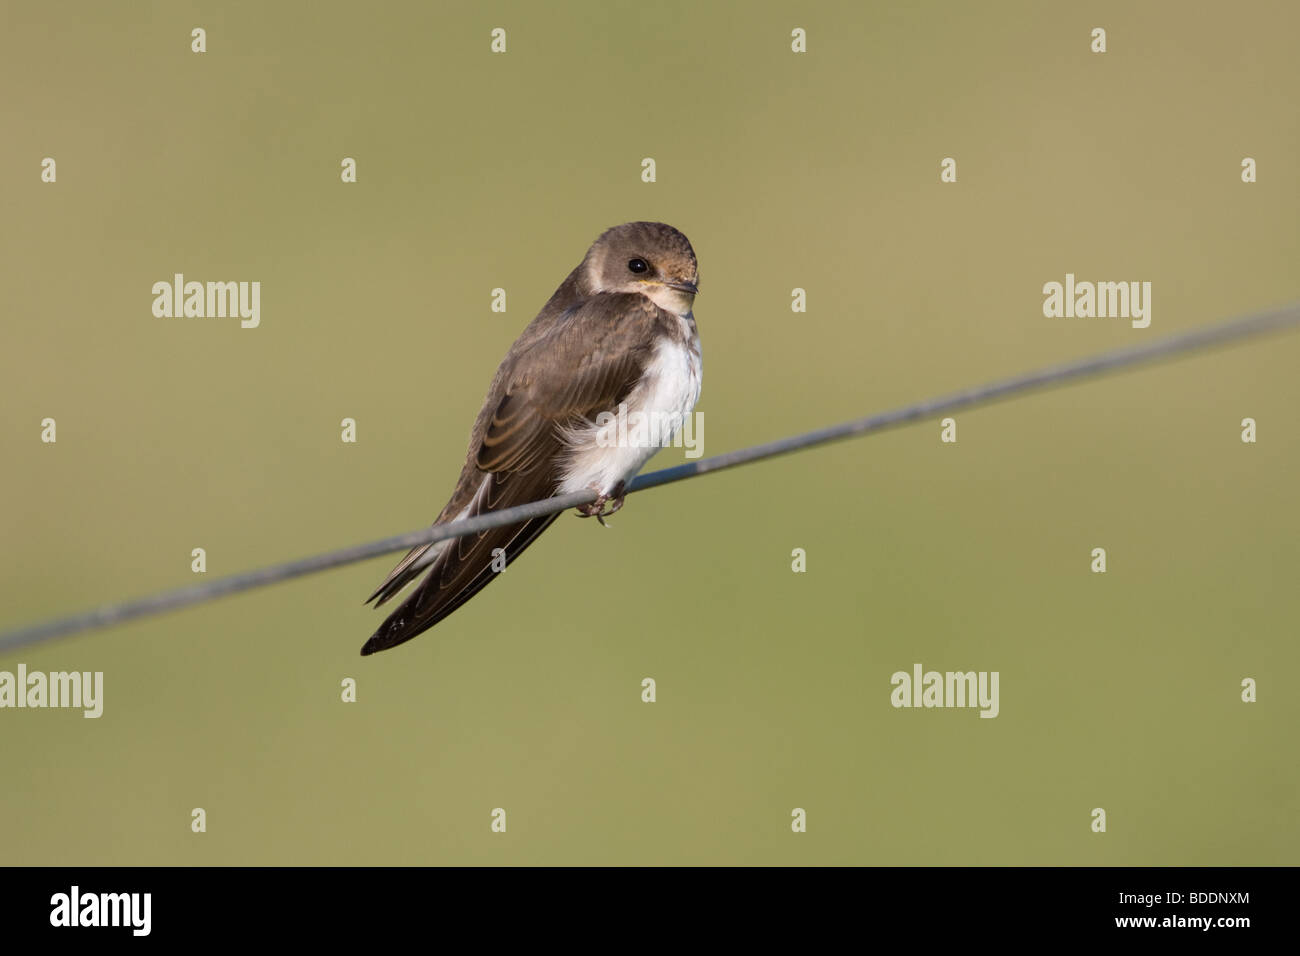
1180	344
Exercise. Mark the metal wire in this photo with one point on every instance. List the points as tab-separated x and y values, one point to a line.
1181	344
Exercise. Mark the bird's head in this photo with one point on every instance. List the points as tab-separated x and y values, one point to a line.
649	258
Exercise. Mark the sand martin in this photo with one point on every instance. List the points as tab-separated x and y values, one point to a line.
618	330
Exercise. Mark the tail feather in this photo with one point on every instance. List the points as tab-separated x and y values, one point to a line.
459	568
407	570
447	588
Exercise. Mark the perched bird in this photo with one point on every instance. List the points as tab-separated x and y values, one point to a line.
617	336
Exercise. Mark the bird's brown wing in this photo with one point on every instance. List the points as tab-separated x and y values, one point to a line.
588	363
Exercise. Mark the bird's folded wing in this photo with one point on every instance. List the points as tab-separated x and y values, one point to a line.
586	364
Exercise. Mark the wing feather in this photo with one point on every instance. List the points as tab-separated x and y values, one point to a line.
588	362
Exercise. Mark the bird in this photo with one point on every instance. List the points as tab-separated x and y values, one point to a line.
618	337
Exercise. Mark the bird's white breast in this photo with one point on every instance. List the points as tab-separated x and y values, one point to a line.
603	455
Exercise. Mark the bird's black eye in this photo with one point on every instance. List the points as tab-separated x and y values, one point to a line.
637	265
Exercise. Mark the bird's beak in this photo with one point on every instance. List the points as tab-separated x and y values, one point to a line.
690	287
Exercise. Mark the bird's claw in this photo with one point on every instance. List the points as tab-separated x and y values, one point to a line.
597	508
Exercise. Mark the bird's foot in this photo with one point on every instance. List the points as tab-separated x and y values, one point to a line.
597	508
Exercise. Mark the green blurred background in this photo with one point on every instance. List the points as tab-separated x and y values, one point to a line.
819	171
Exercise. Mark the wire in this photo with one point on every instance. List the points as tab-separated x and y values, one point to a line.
1181	344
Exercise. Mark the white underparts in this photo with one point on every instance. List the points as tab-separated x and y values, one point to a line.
667	392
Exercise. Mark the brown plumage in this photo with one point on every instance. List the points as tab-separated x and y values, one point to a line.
584	353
